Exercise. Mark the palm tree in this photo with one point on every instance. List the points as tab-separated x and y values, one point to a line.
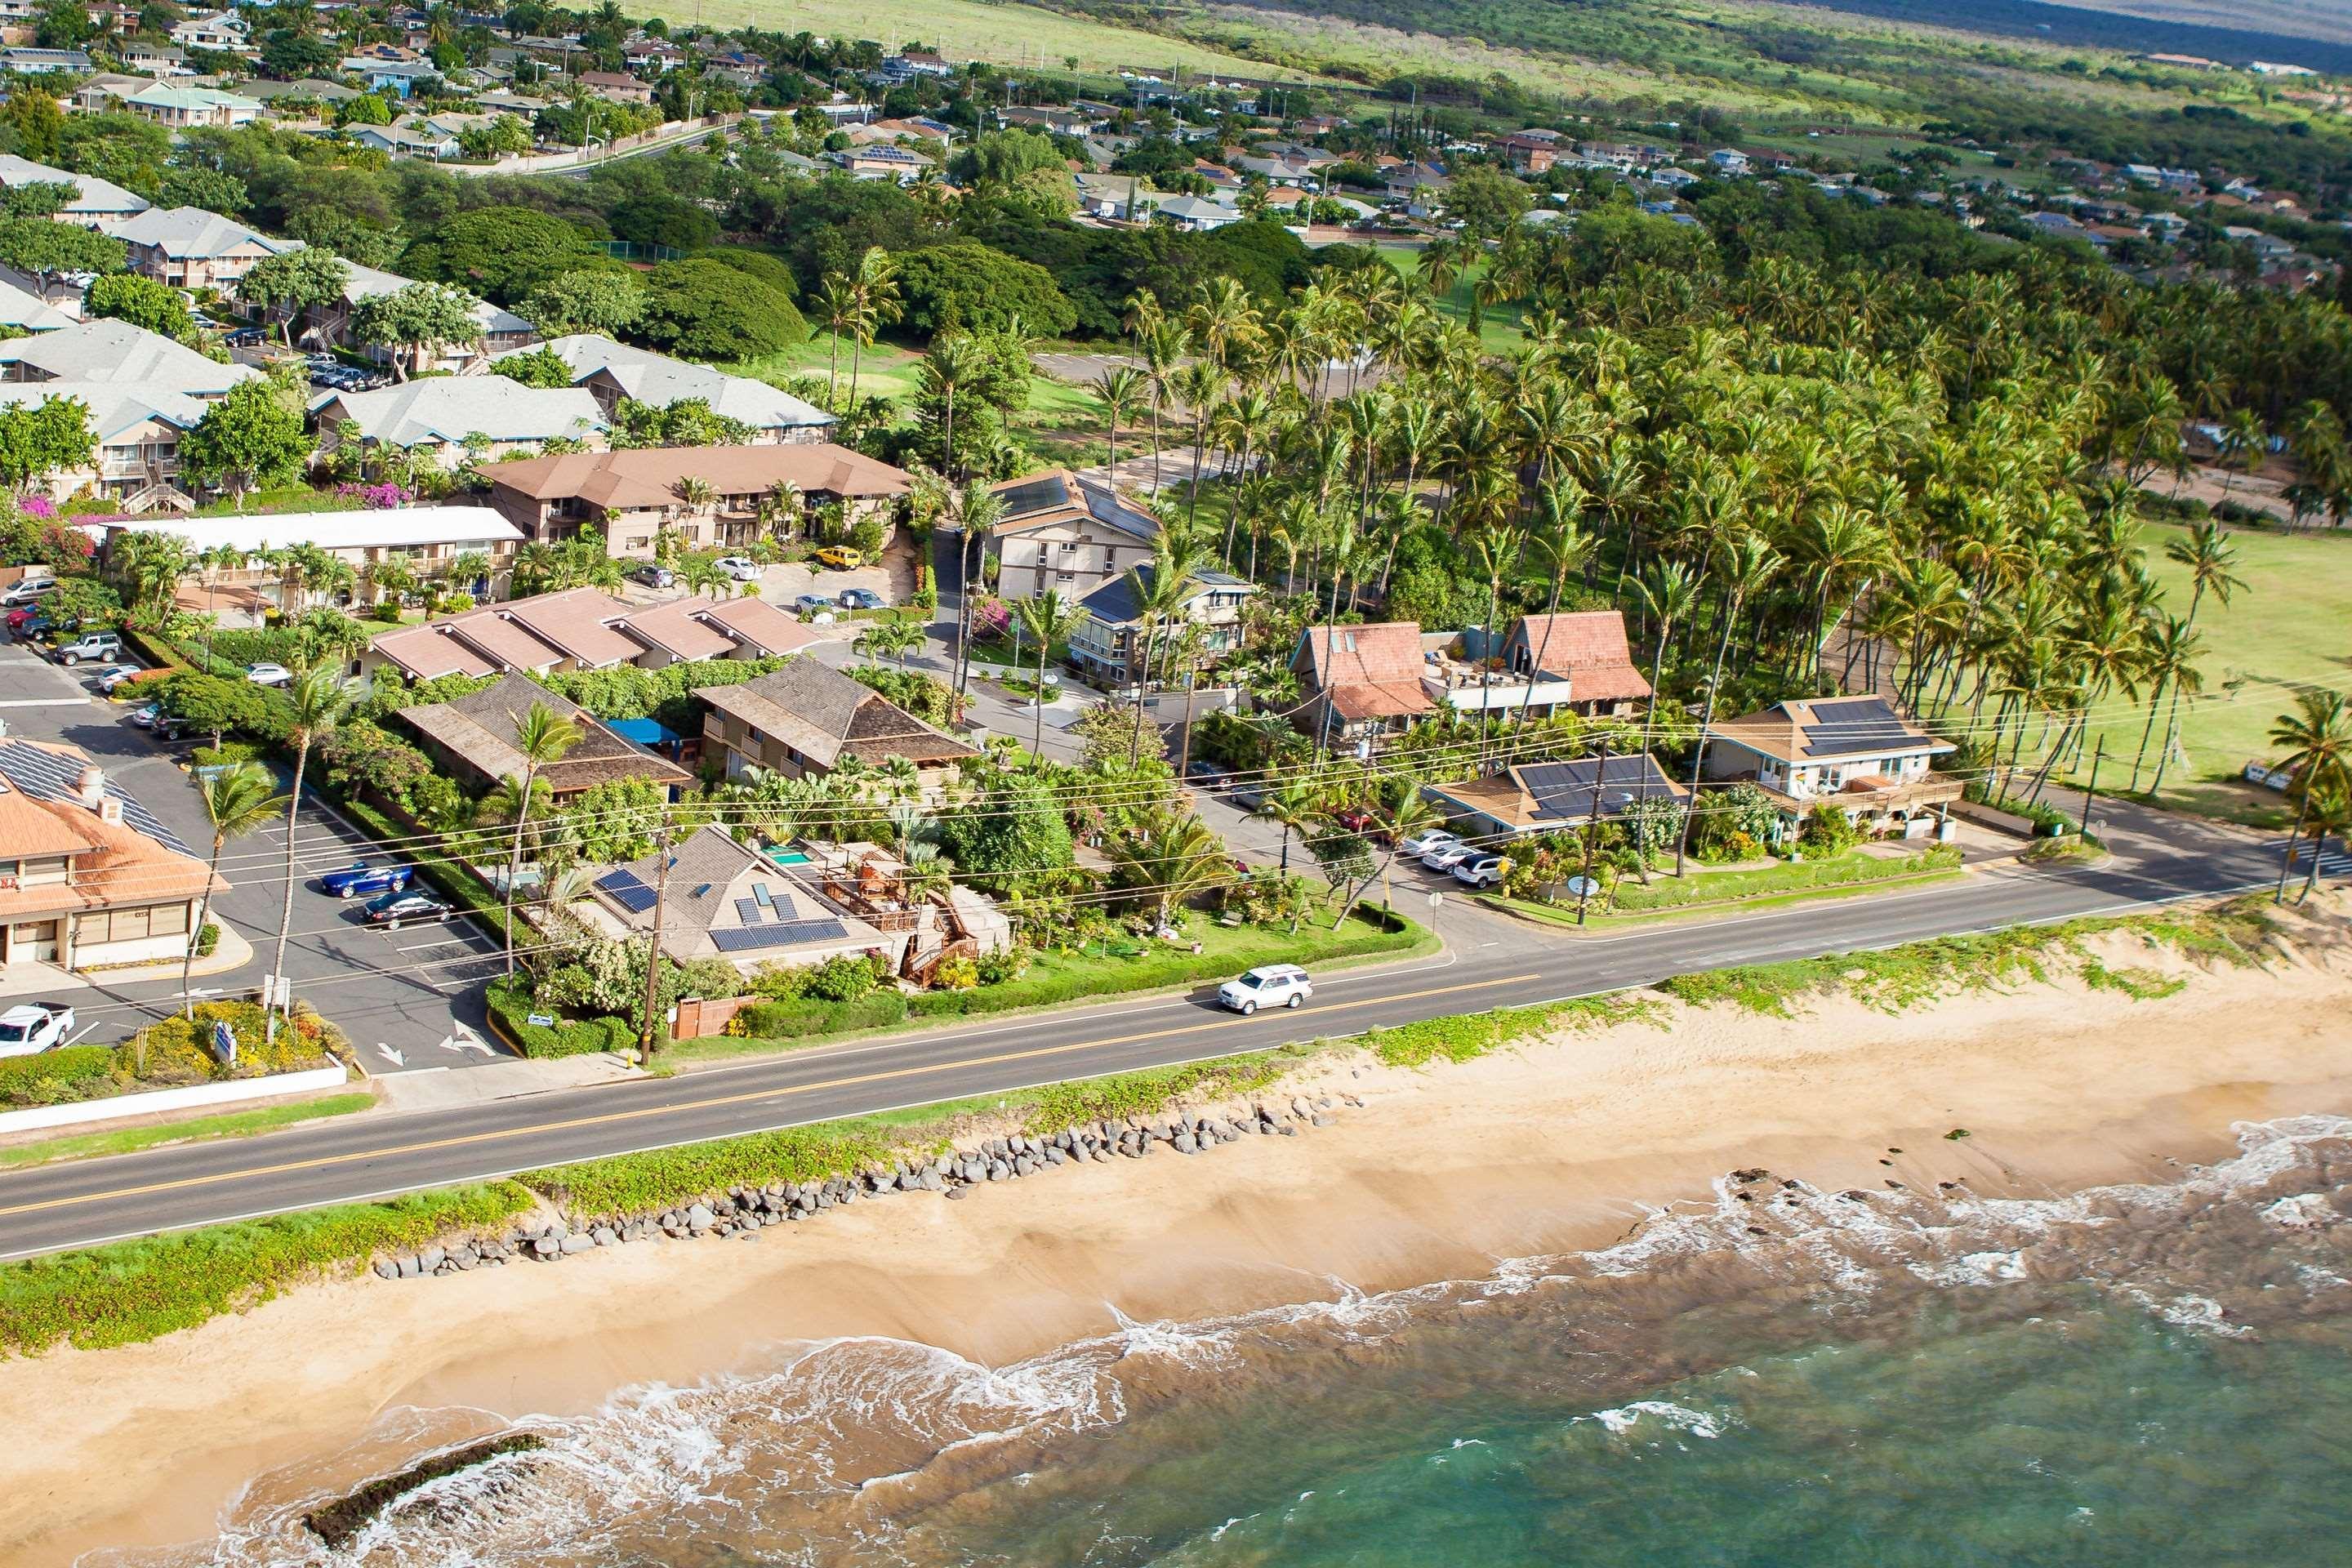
1401	814
954	361
1045	619
837	305
1668	595
979	509
1160	596
1562	542
1171	858
2318	739
1748	566
893	637
1121	390
1497	551
2328	814
2208	555
236	801
1295	808
317	700
875	287
542	736
2172	652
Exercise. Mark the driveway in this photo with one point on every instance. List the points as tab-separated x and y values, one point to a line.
408	999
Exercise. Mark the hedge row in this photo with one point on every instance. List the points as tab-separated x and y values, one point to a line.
68	1069
803	1016
511	1008
1671	893
134	1290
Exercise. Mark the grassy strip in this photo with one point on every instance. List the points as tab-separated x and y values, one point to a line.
1555	915
132	1290
658	1178
1844	870
1468	1037
231	1124
1224	952
1901	977
1054	979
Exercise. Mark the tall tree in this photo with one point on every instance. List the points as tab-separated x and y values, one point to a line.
316	701
236	800
542	736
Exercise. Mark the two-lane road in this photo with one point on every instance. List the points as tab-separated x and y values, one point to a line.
74	1204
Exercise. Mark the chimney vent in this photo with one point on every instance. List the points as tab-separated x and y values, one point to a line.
89	787
109	810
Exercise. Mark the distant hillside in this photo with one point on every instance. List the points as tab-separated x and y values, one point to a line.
2315	33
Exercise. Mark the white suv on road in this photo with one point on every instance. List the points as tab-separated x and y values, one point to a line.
1267	985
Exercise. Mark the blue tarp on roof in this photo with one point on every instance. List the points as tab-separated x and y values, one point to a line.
644	731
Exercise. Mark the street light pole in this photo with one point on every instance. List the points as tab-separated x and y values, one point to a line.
654	951
1591	828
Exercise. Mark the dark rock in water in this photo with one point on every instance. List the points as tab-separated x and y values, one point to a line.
1853	1196
1751	1174
336	1523
1956	1134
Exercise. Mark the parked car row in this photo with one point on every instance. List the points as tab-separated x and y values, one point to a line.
328	371
1473	865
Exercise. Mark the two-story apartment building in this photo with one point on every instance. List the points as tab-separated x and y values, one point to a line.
630	497
1360	685
425	536
803	720
435	418
1067	533
136	434
582	628
88	875
1110	639
188	248
612	370
330	325
96	204
1854	753
178	107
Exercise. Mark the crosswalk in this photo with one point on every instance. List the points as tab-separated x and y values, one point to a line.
2334	860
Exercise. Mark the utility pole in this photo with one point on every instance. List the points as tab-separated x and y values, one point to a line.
1591	830
654	954
2092	789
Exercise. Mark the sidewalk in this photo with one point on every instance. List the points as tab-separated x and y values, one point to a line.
436	1089
53	984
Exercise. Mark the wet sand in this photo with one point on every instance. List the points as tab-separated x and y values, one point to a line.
1560	1145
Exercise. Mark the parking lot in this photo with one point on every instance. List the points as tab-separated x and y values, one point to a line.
409	999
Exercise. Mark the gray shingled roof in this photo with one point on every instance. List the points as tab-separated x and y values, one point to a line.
448	408
184	232
109	351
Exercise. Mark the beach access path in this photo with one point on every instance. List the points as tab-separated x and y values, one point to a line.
2158	859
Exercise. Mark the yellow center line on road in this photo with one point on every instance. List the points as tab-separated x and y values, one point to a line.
612	1116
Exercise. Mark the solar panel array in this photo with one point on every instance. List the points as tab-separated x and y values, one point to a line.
1564	790
45	776
750	939
1035	496
1854	724
764	907
628	890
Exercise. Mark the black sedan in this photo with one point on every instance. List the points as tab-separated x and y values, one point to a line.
392	909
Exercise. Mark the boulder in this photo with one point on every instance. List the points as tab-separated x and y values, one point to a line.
546	1246
956	1193
432	1258
577	1242
605	1236
386	1268
699	1218
1185	1143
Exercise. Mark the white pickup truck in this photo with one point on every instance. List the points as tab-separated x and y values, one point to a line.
34	1027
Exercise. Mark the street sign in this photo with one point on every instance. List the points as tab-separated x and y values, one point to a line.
1435	899
540	1020
224	1041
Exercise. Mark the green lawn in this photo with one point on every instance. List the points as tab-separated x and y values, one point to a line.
231	1124
1498	329
2287	626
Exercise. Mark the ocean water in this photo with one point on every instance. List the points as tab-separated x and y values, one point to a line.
2147	1374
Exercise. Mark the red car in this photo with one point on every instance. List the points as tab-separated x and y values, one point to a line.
17	617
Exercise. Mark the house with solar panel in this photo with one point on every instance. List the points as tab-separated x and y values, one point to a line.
721	899
1552	798
1065	533
88	875
1854	753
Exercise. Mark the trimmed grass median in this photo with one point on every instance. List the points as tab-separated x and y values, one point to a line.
195	1130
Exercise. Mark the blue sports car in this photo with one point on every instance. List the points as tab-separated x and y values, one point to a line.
361	879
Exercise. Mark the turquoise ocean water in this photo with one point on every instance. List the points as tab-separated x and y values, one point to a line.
2157	1374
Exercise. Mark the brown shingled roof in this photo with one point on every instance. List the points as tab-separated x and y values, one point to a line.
480	729
1588	646
825	715
1367	671
649	476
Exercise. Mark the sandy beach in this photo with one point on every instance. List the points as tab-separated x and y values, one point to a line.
1560	1144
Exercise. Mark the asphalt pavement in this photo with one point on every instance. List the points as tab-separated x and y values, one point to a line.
1491	965
410	999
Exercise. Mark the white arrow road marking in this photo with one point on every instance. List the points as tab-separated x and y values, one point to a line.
463	1039
205	991
394	1057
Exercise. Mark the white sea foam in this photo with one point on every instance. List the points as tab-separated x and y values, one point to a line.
1663	1413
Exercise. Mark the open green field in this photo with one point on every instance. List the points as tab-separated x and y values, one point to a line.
971	29
1498	328
2285	628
